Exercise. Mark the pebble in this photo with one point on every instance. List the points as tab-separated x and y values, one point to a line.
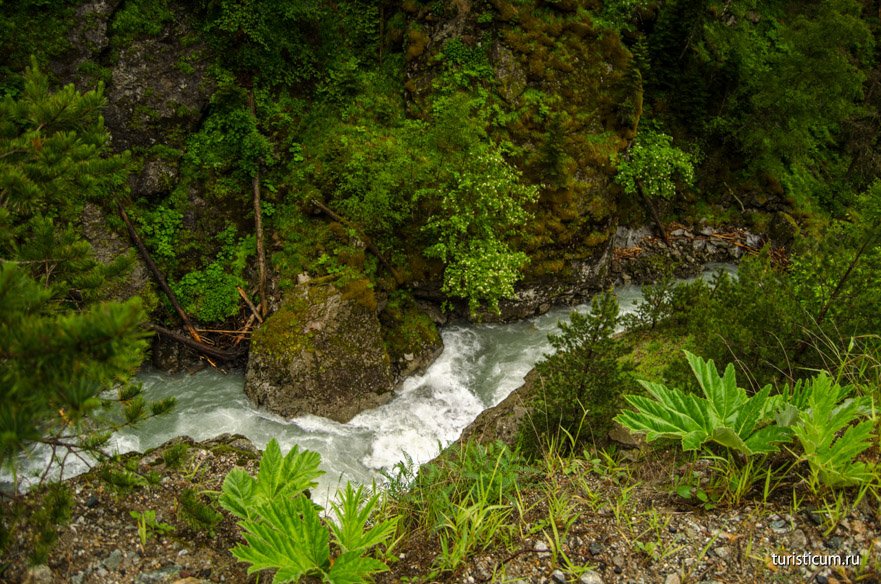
590	577
799	540
483	572
39	575
672	579
821	579
596	548
558	576
722	552
834	542
779	526
158	576
540	546
112	561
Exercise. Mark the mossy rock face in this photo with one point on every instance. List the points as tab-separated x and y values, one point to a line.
567	97
159	85
411	336
321	353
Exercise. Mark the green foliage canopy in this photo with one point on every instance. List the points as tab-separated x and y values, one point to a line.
653	165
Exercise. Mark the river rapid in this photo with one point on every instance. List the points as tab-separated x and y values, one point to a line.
481	365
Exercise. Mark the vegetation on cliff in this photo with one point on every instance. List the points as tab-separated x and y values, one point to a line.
428	151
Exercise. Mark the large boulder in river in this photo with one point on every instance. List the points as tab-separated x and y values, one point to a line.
321	353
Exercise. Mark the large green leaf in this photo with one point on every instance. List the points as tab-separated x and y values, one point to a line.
282	527
352	568
237	493
829	437
724	415
288	475
287	536
350	529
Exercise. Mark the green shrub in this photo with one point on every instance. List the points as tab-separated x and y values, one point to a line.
832	428
140	18
829	437
725	415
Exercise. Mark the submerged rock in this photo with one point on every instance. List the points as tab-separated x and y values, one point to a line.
321	353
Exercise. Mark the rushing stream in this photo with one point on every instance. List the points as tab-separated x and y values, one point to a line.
481	364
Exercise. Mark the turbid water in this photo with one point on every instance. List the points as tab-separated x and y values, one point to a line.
481	365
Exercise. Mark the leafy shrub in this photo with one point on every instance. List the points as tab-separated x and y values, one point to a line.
724	415
159	228
652	166
210	294
830	440
479	212
282	528
819	412
140	18
754	319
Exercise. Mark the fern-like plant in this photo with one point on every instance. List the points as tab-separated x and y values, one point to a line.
830	440
282	527
725	414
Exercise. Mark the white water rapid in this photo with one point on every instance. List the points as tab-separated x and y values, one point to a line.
481	364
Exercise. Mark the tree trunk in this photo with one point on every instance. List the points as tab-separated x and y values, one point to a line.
654	213
258	217
157	275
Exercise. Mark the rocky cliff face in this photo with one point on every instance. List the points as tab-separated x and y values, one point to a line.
321	353
568	97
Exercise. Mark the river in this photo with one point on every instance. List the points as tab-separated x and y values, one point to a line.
481	365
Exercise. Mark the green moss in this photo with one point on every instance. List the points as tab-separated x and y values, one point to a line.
417	39
140	18
405	328
95	72
243	455
360	291
282	333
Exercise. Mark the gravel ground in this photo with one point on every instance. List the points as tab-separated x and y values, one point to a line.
614	522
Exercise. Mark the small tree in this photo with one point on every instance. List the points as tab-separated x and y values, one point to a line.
579	386
477	214
63	344
651	169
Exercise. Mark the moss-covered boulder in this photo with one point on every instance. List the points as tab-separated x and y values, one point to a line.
411	336
321	353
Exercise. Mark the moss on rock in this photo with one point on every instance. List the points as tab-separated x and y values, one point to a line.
321	353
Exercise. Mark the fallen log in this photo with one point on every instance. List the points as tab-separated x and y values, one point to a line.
157	275
207	350
250	304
